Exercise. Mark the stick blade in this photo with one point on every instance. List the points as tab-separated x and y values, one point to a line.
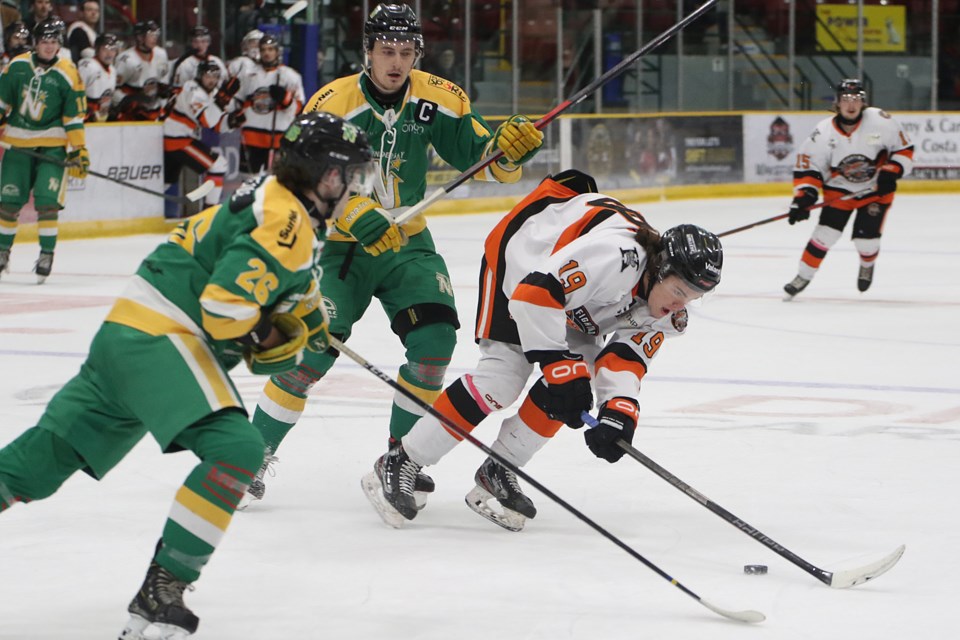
201	192
853	577
294	9
748	615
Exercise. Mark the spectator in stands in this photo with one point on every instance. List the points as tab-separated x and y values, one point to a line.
16	40
39	11
83	33
446	66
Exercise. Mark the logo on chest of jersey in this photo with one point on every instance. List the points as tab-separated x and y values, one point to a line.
413	127
580	320
856	168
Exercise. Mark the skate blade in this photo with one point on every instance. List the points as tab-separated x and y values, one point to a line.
139	628
420	497
134	628
478	500
374	492
246	501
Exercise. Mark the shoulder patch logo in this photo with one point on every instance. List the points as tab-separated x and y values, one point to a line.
288	236
629	259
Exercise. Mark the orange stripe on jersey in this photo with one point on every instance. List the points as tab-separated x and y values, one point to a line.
260	139
535	295
488	286
613	362
576	229
538	422
447	410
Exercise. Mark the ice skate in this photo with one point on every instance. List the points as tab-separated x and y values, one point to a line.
494	481
4	260
258	487
795	286
865	278
43	266
390	486
424	484
157	612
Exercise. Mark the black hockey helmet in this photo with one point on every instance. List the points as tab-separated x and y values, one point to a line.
205	67
692	253
396	22
317	142
17	29
106	40
144	27
51	28
200	31
851	87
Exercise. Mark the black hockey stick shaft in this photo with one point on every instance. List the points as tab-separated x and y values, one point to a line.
742	616
825	203
576	98
102	176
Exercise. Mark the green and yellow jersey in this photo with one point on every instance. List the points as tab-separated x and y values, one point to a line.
433	111
221	269
45	106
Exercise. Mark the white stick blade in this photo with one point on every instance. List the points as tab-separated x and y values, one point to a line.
201	191
853	577
740	616
294	9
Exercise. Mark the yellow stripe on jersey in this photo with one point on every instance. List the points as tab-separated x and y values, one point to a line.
207	371
342	96
227	315
441	91
427	395
280	404
142	318
284	230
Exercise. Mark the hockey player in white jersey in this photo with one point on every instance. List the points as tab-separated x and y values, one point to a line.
249	58
142	72
197	107
576	283
860	147
185	68
272	96
100	77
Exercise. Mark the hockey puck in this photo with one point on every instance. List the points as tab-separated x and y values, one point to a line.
755	569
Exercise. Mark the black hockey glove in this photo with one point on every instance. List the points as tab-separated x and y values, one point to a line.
887	179
279	96
618	421
164	91
226	92
568	387
236	119
800	207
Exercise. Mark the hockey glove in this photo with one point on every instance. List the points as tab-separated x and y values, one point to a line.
887	179
373	227
618	421
518	138
283	357
309	308
226	92
280	96
236	119
800	207
568	388
79	161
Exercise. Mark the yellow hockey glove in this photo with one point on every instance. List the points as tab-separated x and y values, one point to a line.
79	161
518	138
309	308
284	356
373	227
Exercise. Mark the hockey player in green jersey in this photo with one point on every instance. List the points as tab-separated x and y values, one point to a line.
236	281
404	111
43	102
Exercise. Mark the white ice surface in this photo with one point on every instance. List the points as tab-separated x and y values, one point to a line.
830	423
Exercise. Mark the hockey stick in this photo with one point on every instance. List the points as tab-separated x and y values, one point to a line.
740	616
576	98
192	196
835	579
849	196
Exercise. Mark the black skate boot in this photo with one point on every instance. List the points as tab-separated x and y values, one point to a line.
496	481
424	484
158	611
389	488
258	487
4	260
795	286
43	266
865	278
